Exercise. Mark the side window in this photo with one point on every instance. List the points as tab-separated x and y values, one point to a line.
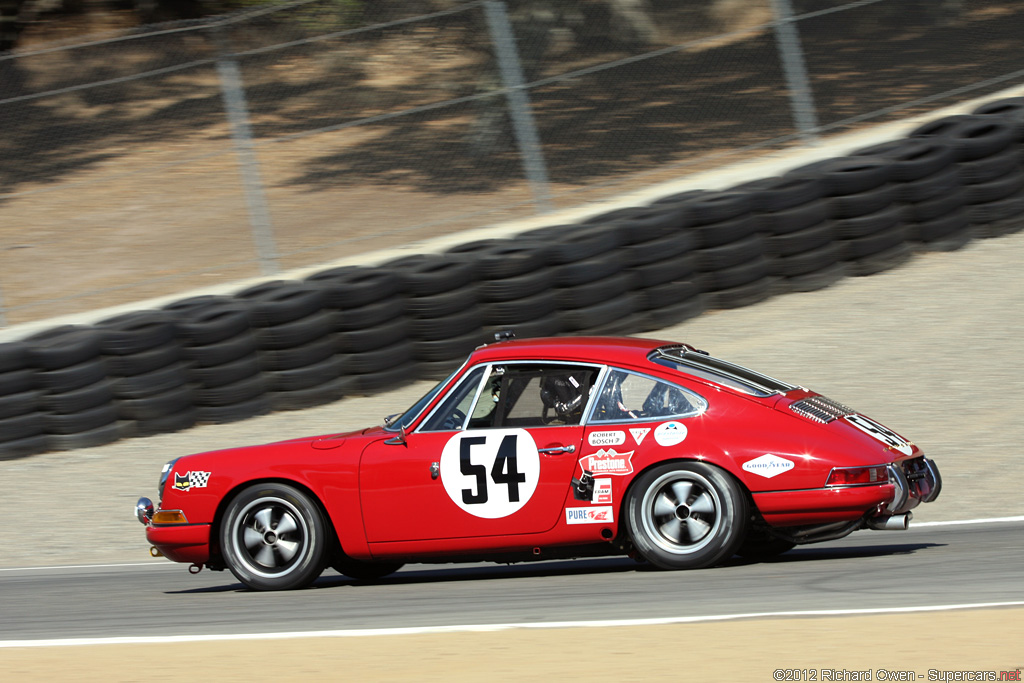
450	414
533	395
626	396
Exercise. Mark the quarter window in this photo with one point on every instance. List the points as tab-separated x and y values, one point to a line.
627	396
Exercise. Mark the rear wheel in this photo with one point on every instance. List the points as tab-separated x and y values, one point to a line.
686	515
274	538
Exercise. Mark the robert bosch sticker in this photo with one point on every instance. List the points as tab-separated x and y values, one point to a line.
606	438
492	473
670	433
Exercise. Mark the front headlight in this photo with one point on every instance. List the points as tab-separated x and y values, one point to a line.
164	474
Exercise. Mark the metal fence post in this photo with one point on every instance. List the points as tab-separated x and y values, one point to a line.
801	99
249	166
518	102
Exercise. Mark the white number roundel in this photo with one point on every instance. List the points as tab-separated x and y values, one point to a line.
490	473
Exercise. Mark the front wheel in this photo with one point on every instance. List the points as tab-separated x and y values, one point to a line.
274	538
686	515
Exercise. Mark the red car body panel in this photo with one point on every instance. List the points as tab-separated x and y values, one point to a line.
378	491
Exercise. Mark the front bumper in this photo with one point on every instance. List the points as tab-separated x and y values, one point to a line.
177	542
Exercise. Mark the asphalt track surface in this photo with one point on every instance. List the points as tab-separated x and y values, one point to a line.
933	565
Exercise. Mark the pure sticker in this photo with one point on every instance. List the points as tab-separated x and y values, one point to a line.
670	433
591	515
490	473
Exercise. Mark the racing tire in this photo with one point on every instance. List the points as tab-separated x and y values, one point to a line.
363	571
228	373
717	207
370	315
62	346
930	187
274	537
795	219
218	353
745	295
13	356
593	292
21	448
18	381
883	260
717	234
440	305
261	405
815	280
429	274
135	332
368	339
994	190
209	319
913	158
73	377
150	383
12	405
350	287
300	399
282	301
848	175
780	193
144	361
288	359
759	545
686	515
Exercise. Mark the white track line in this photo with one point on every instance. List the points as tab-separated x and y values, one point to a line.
166	565
490	628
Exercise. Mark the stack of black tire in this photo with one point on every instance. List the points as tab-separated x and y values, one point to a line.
147	377
220	357
296	343
928	185
799	237
22	431
656	250
585	262
730	257
78	404
989	164
1010	110
445	325
868	221
371	325
513	283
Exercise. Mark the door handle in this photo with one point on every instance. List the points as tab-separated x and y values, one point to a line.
555	450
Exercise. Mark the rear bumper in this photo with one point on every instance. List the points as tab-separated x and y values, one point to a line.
181	543
911	482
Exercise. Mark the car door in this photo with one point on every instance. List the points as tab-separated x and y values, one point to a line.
494	458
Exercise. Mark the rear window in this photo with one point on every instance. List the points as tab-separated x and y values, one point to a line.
718	371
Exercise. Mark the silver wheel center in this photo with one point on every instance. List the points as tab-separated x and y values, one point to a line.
270	538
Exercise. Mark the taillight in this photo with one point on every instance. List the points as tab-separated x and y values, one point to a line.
854	476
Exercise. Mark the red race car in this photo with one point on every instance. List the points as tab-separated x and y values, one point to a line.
549	448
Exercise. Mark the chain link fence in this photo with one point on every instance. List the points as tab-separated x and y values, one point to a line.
155	161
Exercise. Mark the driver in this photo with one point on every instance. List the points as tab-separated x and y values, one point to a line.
566	395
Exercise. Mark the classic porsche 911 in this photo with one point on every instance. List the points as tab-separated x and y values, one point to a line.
549	448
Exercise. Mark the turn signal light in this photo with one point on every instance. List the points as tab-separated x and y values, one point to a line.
853	476
169	517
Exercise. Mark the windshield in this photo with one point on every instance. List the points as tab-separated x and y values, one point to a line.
406	418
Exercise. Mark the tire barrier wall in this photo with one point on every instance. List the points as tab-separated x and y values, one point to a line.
287	345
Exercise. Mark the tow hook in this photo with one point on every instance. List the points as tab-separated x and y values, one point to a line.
155	552
195	568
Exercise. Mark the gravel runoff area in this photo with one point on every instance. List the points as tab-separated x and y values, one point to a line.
932	349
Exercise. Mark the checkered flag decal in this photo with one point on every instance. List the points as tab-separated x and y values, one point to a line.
198	480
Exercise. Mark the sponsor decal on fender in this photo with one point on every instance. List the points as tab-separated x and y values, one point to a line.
639	433
606	438
670	433
602	492
768	466
593	515
191	480
608	461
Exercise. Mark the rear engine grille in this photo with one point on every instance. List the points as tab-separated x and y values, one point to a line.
820	409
